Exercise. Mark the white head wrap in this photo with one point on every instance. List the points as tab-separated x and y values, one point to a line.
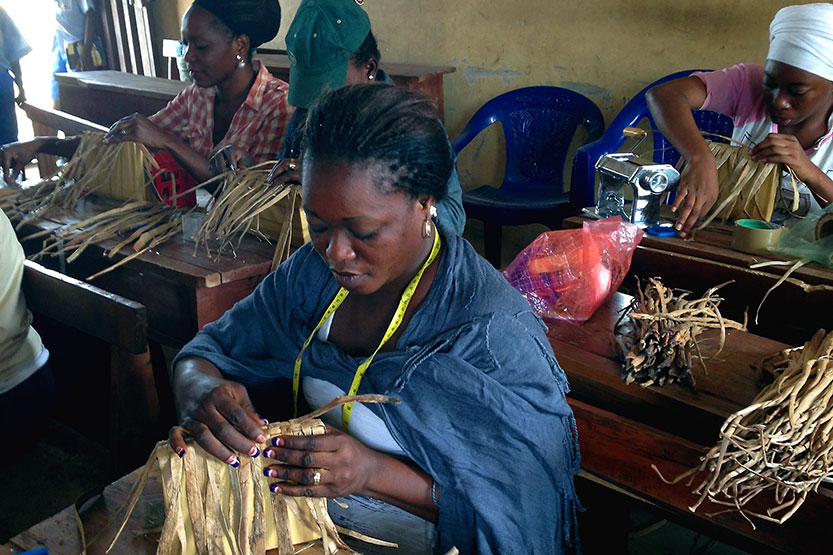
802	36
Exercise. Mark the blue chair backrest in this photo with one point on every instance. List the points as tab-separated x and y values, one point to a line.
539	124
584	165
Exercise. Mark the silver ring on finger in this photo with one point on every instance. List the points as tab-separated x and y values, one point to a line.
316	478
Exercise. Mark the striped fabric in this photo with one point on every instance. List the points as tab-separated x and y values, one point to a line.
258	125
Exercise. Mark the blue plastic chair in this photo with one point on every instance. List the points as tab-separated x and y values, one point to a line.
539	124
584	165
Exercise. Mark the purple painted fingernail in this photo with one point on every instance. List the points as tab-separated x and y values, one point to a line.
254	452
277	442
275	488
233	461
265	421
269	473
181	452
268	453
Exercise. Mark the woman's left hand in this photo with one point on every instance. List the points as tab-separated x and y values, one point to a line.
341	463
139	129
778	148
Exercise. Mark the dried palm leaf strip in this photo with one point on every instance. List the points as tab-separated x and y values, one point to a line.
781	445
226	510
243	196
747	189
127	168
657	333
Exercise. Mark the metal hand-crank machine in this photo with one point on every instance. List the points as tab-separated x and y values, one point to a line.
648	180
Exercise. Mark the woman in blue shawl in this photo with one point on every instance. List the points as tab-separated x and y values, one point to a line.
481	452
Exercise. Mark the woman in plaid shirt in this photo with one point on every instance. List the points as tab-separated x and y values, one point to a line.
232	101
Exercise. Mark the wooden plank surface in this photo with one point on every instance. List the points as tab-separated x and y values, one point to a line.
177	259
619	453
181	290
586	354
118	81
107	316
105	96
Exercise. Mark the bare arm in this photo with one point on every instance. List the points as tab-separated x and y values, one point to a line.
17	74
671	104
89	37
15	156
140	129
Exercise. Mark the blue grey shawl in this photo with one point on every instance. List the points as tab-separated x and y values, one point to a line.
483	408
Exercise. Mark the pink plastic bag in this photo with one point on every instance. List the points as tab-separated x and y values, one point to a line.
568	274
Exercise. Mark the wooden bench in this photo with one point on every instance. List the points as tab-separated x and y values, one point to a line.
118	321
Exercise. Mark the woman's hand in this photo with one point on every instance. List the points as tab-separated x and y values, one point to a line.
287	170
15	156
218	414
230	157
696	193
342	464
139	129
785	149
778	148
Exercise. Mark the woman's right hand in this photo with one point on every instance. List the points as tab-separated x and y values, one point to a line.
230	157
15	156
218	414
696	193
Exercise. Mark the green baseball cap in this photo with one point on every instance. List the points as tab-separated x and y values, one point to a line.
319	43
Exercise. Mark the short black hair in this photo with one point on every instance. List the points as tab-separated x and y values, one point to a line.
368	50
259	20
392	131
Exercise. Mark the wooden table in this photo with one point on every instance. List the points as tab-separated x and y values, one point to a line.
623	429
181	289
105	96
791	313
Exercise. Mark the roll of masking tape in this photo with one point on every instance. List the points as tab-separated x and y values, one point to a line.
825	226
755	236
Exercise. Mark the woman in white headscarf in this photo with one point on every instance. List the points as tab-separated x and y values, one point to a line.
782	109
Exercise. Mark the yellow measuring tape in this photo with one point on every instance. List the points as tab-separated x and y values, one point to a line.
347	409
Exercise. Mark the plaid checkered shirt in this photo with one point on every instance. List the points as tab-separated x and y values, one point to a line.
258	125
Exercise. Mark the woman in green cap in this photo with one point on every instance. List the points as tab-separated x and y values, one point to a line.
330	44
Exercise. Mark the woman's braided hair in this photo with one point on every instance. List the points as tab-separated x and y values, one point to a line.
392	131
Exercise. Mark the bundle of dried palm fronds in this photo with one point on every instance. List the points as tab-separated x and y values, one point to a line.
781	443
142	224
121	170
243	200
657	333
212	508
748	189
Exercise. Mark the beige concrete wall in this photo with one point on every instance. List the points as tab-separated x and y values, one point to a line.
605	49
